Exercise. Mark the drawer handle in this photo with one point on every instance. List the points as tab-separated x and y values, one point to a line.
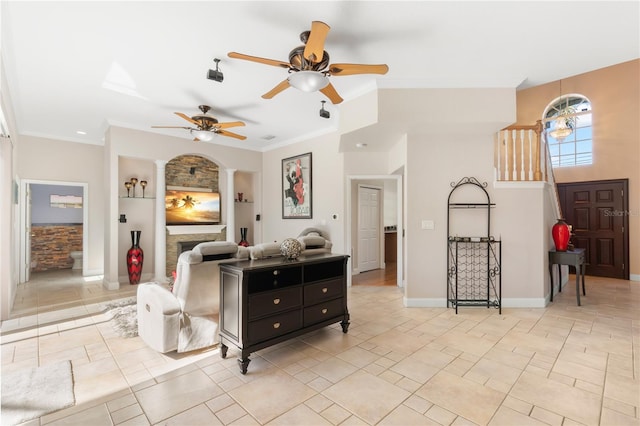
276	301
324	311
146	306
276	272
324	290
276	325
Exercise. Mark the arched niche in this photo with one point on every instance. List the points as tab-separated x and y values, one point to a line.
199	173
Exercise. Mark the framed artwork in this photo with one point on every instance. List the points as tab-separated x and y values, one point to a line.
296	187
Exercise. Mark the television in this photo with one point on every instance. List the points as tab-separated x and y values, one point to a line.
192	207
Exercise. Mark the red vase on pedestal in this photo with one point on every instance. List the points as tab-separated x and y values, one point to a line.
561	234
135	258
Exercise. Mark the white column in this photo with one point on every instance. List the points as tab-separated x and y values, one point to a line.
231	207
161	235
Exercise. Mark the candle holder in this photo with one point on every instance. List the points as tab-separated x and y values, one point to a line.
143	184
134	181
127	185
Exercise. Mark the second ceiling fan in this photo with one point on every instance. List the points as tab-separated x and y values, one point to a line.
207	126
309	66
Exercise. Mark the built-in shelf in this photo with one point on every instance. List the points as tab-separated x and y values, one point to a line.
138	198
244	202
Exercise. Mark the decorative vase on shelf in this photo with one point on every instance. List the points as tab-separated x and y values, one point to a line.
243	238
135	258
561	234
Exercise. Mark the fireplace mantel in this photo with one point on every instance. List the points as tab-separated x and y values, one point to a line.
195	229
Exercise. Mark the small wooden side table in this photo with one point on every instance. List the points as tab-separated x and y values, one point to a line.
574	258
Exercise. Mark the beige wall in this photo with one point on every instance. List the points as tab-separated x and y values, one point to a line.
55	160
432	146
614	93
327	185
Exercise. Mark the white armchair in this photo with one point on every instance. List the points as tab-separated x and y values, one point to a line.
186	317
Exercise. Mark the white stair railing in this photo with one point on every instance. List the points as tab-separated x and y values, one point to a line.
519	155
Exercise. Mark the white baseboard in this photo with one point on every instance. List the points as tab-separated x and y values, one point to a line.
525	303
506	303
634	277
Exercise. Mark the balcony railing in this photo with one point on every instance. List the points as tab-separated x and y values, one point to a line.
521	154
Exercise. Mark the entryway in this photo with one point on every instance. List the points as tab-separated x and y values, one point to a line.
598	211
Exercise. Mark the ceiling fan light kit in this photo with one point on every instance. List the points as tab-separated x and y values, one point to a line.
308	81
203	135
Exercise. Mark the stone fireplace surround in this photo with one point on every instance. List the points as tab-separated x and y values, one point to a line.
185	237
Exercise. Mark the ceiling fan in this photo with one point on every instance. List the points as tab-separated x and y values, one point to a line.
207	126
309	66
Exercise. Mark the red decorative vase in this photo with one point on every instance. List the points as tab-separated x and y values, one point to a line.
135	257
243	238
561	234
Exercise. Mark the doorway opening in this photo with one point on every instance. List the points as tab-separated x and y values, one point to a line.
393	273
54	218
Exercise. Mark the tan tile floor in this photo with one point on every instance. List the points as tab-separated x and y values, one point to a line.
562	365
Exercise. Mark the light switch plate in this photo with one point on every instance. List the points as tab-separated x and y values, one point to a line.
428	224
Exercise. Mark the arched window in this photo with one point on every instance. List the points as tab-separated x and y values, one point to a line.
569	131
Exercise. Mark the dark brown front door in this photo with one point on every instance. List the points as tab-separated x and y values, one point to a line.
598	211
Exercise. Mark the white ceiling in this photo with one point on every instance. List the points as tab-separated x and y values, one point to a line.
85	65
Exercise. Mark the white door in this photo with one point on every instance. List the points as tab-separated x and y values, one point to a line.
368	228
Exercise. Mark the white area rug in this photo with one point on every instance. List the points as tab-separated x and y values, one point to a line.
123	317
34	392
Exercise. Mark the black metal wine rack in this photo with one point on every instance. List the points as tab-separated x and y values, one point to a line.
473	263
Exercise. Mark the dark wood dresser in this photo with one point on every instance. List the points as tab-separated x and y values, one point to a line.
268	301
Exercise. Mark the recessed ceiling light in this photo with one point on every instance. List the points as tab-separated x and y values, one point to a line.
361	145
81	132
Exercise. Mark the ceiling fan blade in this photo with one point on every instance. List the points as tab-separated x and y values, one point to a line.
229	124
284	84
314	48
351	69
186	117
330	92
266	61
171	127
230	134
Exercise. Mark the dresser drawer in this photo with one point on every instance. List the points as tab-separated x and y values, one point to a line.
322	311
273	326
274	278
271	302
325	290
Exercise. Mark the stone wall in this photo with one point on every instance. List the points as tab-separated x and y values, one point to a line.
51	245
194	172
172	246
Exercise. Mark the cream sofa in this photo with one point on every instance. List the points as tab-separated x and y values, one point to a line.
313	241
186	317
